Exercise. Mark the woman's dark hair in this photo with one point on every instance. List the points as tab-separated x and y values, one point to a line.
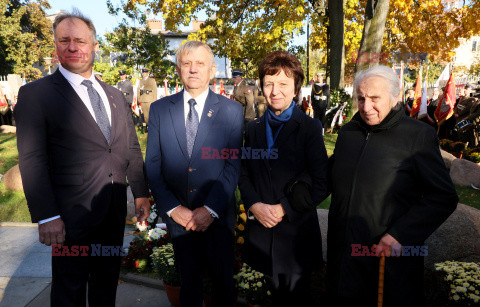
282	60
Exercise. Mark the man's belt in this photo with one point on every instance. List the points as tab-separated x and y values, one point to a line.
463	125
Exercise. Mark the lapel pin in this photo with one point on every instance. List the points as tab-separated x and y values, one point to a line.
114	105
210	112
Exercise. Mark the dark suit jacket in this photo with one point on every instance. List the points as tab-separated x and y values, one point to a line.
174	178
67	166
294	245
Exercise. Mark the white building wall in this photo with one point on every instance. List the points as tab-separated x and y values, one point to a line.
466	53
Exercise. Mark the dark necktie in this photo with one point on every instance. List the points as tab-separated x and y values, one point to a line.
192	126
99	109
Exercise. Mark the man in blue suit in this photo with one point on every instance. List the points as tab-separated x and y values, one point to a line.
194	192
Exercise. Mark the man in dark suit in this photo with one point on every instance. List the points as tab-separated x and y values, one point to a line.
77	146
191	183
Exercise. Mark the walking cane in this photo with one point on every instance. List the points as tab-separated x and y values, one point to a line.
381	272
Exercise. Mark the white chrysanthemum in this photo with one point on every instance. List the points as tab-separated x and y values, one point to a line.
141	226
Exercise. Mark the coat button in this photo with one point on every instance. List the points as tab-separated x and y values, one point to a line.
109	150
110	175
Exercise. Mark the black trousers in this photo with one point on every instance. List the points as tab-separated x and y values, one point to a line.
201	254
98	267
291	290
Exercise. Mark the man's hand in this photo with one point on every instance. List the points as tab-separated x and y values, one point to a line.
386	244
142	208
267	215
201	220
279	211
181	215
52	232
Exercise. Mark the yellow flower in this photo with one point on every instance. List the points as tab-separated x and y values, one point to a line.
240	227
243	216
242	208
456	297
240	240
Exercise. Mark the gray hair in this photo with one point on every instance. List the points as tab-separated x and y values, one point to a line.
192	45
380	71
76	14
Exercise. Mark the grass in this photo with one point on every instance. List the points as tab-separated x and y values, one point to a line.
330	139
468	196
13	206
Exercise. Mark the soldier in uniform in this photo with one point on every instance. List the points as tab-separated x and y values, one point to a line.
146	93
467	118
259	99
409	97
320	97
243	94
126	87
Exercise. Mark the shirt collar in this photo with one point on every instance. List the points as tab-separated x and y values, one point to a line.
200	99
74	78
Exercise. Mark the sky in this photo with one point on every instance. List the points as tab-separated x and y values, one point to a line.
104	22
95	9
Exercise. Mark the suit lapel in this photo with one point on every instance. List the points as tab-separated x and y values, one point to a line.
67	91
178	121
210	110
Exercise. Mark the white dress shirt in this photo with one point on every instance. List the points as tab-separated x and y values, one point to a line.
200	100
75	81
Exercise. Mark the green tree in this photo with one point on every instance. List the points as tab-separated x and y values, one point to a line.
26	37
132	47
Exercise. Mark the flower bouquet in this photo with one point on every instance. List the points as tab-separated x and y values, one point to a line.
141	247
464	281
151	221
252	285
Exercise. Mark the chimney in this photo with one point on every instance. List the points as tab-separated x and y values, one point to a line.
196	24
154	24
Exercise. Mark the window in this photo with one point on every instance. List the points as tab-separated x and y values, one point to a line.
474	46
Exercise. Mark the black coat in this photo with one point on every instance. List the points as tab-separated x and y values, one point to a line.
294	245
388	178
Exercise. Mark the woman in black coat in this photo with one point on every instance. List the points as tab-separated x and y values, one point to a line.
390	191
280	193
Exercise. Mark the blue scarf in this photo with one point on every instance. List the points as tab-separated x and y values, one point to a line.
274	124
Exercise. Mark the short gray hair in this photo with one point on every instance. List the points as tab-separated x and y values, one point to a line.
380	71
79	15
192	45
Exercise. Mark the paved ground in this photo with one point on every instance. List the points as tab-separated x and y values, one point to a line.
25	273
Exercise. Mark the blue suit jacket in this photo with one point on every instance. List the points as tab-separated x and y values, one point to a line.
174	178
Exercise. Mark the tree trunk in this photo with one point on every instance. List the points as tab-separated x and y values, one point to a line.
336	44
333	17
370	54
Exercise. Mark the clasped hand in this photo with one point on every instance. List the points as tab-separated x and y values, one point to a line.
196	220
268	215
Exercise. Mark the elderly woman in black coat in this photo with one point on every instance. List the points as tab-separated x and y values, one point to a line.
390	191
281	189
